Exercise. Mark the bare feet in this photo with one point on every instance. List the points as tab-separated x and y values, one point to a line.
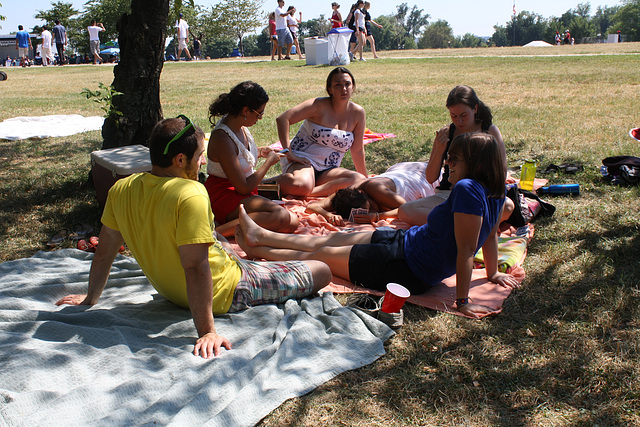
251	232
242	243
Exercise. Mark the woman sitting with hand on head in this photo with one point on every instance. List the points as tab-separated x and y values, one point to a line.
332	126
381	195
468	114
232	156
422	256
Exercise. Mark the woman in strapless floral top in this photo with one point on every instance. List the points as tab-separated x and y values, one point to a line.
332	126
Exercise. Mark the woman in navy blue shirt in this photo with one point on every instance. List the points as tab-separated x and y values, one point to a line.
422	256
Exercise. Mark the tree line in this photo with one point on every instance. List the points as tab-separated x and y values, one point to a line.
241	24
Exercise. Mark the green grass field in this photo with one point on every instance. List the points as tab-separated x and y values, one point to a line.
565	349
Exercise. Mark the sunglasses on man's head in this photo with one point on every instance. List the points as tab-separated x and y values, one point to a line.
188	125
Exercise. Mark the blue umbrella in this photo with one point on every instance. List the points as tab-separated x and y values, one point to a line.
110	51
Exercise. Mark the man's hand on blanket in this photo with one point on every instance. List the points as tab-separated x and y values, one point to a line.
504	280
209	345
74	300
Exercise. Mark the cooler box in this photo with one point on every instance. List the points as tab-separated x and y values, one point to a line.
108	166
316	50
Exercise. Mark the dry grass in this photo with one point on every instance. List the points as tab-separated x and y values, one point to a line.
564	351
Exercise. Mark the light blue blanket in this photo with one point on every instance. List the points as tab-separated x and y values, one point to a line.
128	361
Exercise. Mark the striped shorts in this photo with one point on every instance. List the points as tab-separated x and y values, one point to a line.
271	283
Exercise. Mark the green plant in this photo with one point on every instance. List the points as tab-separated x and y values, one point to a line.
104	97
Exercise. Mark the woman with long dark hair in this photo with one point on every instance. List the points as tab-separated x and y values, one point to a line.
232	154
468	114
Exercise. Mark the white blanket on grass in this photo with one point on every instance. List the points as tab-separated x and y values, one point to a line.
48	126
127	360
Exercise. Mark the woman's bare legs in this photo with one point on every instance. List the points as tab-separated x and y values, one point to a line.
264	212
372	42
335	179
333	250
300	181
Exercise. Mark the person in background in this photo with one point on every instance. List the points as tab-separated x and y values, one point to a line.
94	40
360	30
285	39
60	35
420	257
46	46
331	126
367	25
293	23
197	45
232	153
23	44
183	37
176	245
468	114
336	17
273	35
350	23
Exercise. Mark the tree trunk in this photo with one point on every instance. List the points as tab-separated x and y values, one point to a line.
137	76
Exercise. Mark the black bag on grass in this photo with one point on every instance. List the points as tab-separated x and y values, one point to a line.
622	170
528	206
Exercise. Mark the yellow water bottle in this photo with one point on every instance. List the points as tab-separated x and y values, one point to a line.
527	175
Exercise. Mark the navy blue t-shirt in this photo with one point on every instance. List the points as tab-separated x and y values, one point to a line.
430	250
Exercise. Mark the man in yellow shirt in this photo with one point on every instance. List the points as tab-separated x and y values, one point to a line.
165	217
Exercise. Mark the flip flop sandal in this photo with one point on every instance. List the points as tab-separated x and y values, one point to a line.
571	168
80	231
551	168
59	237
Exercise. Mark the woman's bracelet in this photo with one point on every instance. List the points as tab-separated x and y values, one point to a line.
377	216
461	301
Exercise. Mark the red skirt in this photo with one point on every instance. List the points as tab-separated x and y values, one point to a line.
224	197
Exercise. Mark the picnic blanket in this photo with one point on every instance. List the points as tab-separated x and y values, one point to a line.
369	137
48	126
128	361
511	251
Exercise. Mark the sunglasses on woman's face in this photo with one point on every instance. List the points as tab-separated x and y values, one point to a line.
188	125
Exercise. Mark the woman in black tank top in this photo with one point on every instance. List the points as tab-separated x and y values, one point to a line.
468	114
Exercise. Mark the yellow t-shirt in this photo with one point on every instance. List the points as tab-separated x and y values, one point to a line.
156	215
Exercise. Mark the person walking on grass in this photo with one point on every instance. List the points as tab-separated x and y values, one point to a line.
367	25
360	31
293	23
285	39
336	17
273	35
94	40
23	44
60	36
165	217
183	37
46	46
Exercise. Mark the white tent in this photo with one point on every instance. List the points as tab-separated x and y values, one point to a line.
537	43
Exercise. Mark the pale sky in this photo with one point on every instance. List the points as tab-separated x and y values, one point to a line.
464	16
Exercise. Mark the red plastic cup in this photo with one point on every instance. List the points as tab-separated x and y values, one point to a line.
394	298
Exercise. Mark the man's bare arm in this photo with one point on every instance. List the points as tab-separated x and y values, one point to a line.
110	242
195	261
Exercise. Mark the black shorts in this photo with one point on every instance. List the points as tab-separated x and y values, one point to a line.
317	173
375	264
